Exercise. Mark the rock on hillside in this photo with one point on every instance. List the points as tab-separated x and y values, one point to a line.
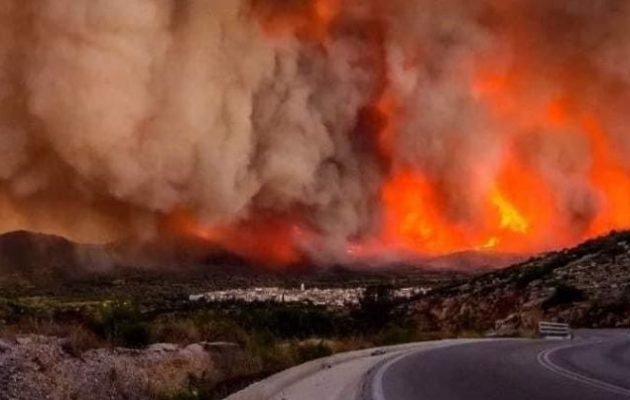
38	367
587	286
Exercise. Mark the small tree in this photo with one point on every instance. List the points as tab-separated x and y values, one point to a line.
121	323
377	308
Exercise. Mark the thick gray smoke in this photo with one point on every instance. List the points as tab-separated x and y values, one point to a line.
115	113
159	105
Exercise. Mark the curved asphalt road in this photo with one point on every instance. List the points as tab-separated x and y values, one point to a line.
594	366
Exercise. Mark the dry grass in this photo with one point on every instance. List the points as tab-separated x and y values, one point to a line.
183	331
80	340
77	338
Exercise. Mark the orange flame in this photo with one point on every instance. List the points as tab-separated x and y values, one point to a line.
270	242
519	209
310	20
511	217
522	212
611	179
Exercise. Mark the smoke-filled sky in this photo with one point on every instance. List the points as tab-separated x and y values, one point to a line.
325	127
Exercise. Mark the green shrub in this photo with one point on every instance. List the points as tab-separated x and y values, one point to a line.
223	330
133	334
288	321
120	323
394	334
531	274
563	294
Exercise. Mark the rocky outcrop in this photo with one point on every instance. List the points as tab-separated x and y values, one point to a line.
38	367
587	286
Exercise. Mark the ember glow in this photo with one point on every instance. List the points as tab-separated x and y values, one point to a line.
289	131
269	242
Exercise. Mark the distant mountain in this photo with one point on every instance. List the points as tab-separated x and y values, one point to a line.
587	286
39	258
473	261
28	258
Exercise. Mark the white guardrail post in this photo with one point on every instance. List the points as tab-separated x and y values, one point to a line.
554	330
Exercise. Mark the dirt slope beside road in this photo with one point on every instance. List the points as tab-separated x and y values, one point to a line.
587	286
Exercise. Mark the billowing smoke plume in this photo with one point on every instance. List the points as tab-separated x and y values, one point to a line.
424	125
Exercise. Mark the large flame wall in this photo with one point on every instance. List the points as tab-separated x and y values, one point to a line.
281	129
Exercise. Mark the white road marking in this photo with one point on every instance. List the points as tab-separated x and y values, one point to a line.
376	389
544	359
377	382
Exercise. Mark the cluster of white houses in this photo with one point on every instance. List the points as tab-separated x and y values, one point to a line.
330	297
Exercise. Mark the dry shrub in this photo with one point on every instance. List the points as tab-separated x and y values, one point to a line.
224	331
351	344
77	338
180	331
81	340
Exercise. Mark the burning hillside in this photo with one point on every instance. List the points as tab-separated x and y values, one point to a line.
321	129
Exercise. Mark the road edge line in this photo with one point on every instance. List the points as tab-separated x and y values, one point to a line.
375	384
275	384
544	359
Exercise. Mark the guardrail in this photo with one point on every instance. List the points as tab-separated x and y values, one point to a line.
554	330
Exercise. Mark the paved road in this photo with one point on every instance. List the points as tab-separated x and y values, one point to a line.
594	366
339	377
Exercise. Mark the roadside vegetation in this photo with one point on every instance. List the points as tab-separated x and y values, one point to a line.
274	336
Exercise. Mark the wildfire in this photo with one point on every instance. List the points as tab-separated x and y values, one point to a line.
309	20
296	131
611	179
521	206
511	218
410	216
269	242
